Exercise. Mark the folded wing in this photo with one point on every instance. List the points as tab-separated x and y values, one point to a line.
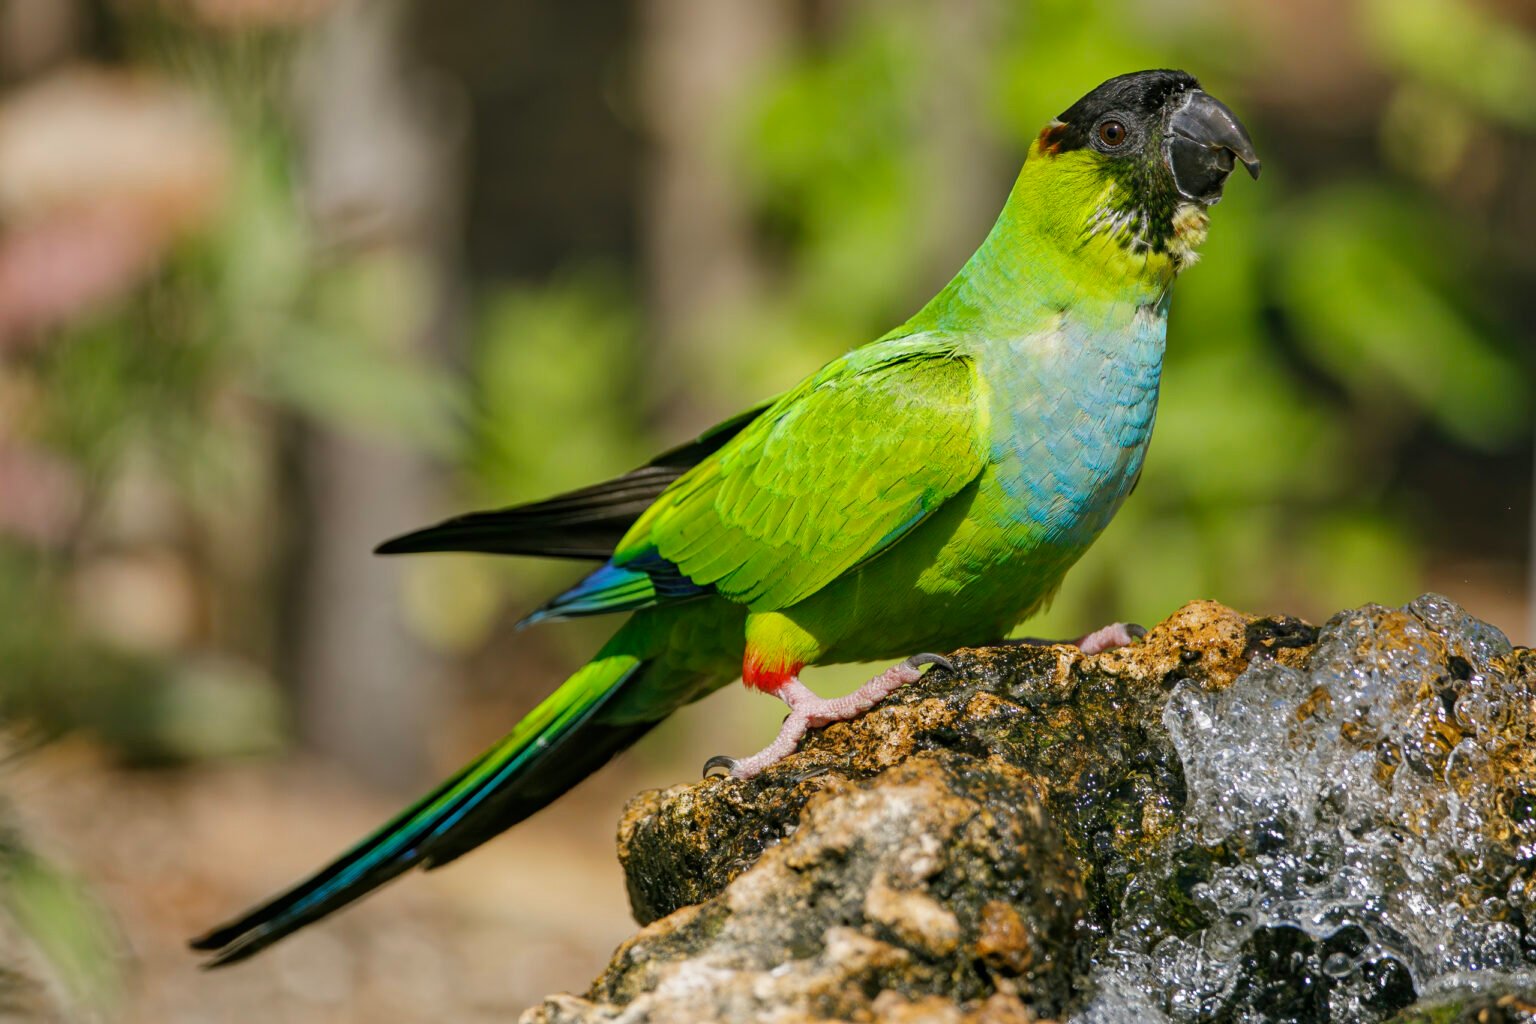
829	476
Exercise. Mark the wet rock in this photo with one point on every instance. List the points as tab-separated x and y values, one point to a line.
1237	819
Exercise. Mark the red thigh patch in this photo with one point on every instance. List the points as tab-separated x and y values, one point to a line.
766	673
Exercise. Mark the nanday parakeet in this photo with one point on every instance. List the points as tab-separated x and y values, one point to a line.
926	491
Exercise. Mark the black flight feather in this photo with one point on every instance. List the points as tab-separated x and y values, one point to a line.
586	523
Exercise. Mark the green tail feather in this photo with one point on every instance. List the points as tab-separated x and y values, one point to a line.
557	745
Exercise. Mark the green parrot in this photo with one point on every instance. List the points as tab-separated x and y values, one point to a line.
926	491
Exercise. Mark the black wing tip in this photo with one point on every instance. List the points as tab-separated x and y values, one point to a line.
507	532
401	545
435	541
467	532
447	536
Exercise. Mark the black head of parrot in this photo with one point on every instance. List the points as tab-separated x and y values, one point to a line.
1158	150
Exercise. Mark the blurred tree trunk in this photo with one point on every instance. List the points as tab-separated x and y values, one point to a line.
35	34
380	155
698	62
967	172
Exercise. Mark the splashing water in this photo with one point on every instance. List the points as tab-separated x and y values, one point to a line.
1358	832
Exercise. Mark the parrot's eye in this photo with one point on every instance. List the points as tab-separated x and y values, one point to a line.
1112	133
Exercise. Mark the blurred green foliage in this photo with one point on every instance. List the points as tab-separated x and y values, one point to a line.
61	949
566	353
1473	55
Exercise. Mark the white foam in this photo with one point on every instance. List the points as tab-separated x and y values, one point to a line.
1336	832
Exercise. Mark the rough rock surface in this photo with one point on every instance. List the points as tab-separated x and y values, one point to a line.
1237	819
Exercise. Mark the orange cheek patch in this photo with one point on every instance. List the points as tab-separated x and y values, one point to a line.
1051	138
765	673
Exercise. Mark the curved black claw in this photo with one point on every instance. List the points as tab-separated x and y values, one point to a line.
919	660
720	761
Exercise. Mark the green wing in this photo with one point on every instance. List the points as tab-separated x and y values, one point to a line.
830	475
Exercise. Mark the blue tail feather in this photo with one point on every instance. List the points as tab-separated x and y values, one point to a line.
638	583
533	765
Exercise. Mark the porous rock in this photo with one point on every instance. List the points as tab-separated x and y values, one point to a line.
1237	819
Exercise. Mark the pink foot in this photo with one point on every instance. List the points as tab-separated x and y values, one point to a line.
1116	634
808	711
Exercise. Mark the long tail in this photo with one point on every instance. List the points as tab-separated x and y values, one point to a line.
558	744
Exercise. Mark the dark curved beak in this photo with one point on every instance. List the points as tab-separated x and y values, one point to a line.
1203	141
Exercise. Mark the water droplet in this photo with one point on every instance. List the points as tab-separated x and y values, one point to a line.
1337	965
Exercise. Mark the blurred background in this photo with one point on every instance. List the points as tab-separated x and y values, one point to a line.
280	278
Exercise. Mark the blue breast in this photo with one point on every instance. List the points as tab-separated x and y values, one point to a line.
1073	408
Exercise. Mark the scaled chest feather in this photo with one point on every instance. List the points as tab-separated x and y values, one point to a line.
1073	409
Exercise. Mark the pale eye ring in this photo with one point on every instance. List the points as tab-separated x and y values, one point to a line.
1113	133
